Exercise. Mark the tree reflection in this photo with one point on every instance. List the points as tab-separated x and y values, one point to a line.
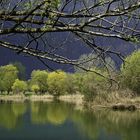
10	114
54	113
39	113
126	125
86	123
57	114
123	125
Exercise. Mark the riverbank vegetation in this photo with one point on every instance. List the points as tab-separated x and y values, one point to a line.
96	88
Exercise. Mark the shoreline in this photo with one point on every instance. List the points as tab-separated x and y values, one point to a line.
22	98
131	105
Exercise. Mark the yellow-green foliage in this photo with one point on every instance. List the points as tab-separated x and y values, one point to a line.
35	88
93	84
8	75
52	4
19	86
57	83
71	83
78	80
39	77
130	72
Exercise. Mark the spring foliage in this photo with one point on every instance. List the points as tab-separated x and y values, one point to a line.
130	72
57	83
19	86
39	78
8	75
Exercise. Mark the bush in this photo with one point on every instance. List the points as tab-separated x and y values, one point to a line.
57	83
71	84
19	86
78	81
35	88
93	84
130	72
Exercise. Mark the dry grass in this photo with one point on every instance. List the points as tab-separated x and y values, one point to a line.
125	97
103	99
77	98
22	98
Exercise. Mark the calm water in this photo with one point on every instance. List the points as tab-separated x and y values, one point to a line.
60	121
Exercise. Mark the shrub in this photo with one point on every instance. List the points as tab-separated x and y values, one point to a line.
19	86
93	84
78	81
130	72
71	84
35	88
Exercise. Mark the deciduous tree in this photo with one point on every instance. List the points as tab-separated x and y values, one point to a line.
39	78
130	72
57	83
19	86
8	75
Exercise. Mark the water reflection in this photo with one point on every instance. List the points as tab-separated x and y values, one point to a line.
54	113
99	124
10	114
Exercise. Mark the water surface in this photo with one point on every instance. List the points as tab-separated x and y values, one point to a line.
61	121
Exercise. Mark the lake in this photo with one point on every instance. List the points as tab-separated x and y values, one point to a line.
62	121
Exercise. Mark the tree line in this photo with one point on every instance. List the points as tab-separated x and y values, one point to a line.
59	82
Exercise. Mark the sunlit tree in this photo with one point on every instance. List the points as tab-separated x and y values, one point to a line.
130	72
8	75
19	86
35	88
57	83
39	78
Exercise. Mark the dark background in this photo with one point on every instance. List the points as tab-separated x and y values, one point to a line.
71	49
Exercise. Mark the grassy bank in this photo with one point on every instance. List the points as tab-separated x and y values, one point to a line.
103	100
76	99
117	100
22	98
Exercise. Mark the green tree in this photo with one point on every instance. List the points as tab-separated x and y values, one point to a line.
35	88
57	83
70	83
19	86
94	84
8	75
21	70
39	77
130	72
79	81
